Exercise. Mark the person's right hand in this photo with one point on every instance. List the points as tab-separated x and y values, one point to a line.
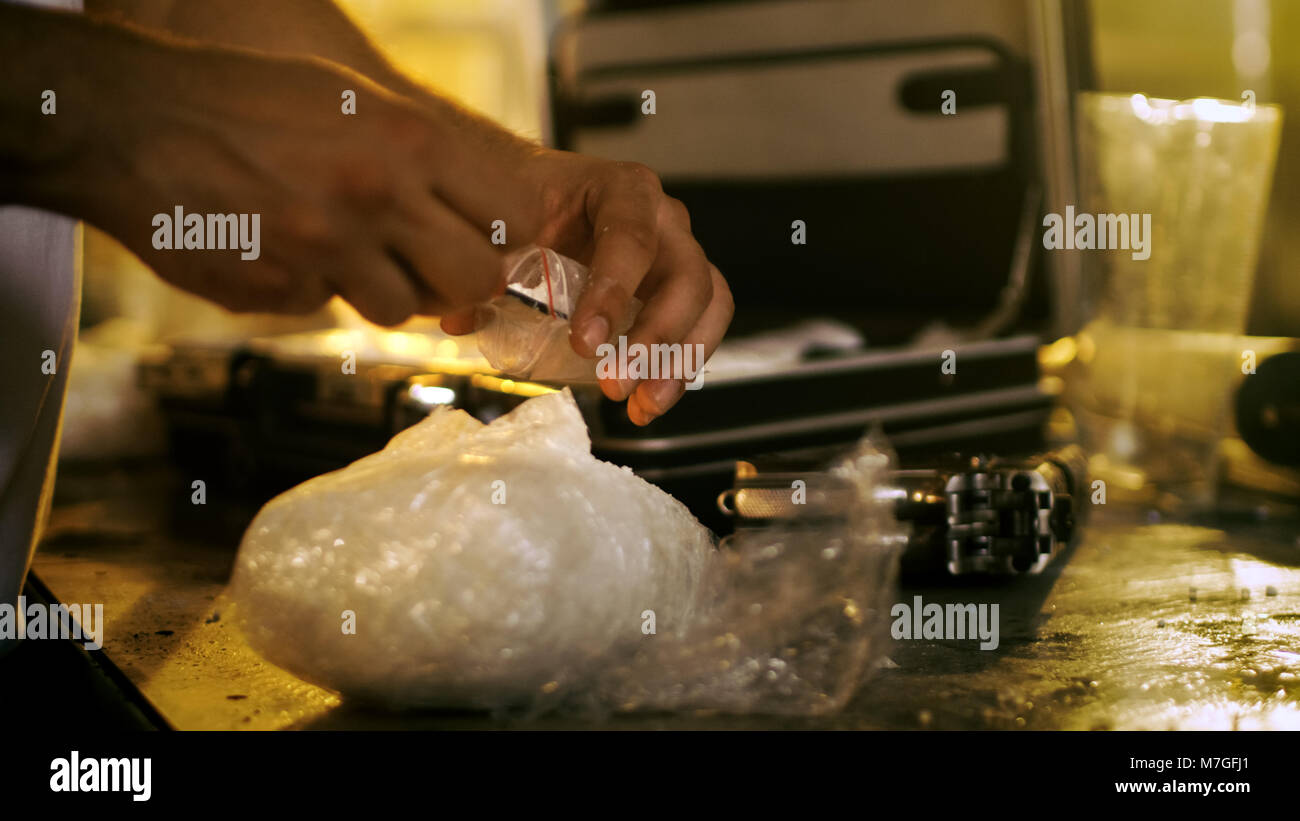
348	203
637	240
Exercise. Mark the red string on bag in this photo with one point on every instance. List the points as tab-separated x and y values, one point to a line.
546	269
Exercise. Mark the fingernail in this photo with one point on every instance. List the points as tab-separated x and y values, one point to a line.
638	413
594	333
612	390
663	393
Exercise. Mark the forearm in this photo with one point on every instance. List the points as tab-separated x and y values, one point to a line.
302	28
51	100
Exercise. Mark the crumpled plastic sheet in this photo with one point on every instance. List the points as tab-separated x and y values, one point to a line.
504	567
793	619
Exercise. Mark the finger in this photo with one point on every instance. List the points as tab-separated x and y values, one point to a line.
465	320
283	291
673	211
624	218
308	295
299	288
655	397
379	289
461	322
681	288
639	415
454	264
458	323
263	287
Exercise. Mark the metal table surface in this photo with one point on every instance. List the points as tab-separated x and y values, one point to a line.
1146	625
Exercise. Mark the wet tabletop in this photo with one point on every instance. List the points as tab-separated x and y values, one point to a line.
1147	624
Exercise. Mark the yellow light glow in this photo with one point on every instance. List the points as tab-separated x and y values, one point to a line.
1058	354
447	348
495	383
1051	385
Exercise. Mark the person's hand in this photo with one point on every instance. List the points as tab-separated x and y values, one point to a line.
390	208
349	204
637	240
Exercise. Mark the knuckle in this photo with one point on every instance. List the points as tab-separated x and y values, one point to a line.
704	283
644	237
674	211
412	138
368	186
409	131
556	204
722	294
641	175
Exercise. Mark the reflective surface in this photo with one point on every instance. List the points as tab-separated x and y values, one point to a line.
1147	624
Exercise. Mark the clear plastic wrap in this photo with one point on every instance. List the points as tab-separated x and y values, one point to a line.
482	565
524	333
794	617
503	566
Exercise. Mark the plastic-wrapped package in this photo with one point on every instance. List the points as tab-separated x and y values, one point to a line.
502	565
480	565
524	333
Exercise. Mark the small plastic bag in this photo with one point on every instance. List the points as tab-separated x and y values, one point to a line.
524	333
